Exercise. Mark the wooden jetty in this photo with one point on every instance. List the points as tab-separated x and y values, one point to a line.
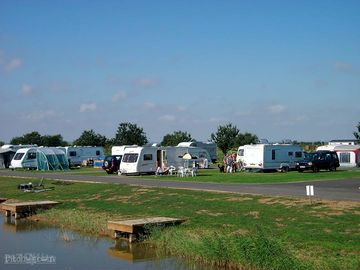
132	228
21	209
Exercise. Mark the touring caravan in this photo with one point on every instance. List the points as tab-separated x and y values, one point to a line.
264	157
349	155
40	158
77	154
7	152
141	160
174	156
210	147
24	158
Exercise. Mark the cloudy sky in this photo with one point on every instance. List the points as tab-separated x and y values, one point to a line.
279	69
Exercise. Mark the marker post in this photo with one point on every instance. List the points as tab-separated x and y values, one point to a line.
310	192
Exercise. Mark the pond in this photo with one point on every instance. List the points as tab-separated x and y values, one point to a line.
28	244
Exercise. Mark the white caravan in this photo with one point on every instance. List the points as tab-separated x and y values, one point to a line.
141	160
174	154
24	158
210	147
263	157
77	154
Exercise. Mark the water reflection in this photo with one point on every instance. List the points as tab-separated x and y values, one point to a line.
36	242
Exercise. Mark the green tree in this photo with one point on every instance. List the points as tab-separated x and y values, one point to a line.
229	137
90	138
246	138
225	137
28	138
357	133
128	134
175	138
53	140
2	143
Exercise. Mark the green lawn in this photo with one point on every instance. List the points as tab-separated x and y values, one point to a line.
226	229
213	175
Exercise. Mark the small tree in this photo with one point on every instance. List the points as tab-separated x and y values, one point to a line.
128	134
357	133
1	143
225	137
89	137
175	138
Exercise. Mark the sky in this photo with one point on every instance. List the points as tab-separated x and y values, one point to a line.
278	69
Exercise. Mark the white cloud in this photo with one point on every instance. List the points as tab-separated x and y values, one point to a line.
119	96
27	90
40	115
88	107
181	108
276	109
167	118
12	64
343	66
149	105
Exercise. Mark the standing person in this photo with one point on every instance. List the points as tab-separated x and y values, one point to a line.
234	164
229	164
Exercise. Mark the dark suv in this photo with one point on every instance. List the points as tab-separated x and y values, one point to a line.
111	164
320	160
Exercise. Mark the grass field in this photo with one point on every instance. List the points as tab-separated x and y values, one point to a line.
213	175
225	229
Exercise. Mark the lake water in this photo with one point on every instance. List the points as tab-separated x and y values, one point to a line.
34	245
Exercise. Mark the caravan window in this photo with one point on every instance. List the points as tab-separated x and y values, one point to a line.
130	158
273	157
241	152
72	153
18	156
290	154
31	155
148	157
345	157
298	154
98	153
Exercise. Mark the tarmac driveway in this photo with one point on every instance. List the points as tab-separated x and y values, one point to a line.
342	190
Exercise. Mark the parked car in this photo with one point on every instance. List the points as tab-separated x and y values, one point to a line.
320	160
112	163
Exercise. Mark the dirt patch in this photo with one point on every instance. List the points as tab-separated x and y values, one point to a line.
208	213
254	214
285	202
119	198
241	232
239	199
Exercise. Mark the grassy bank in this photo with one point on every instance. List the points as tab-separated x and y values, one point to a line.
223	229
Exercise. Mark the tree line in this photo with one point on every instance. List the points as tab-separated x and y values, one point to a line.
227	137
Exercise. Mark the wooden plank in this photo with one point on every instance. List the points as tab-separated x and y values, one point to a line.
26	207
136	225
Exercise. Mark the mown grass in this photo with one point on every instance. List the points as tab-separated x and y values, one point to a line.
221	229
214	176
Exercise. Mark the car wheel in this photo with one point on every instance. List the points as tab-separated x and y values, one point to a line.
332	168
315	169
300	170
285	169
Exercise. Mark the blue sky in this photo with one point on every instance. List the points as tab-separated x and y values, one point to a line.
279	69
